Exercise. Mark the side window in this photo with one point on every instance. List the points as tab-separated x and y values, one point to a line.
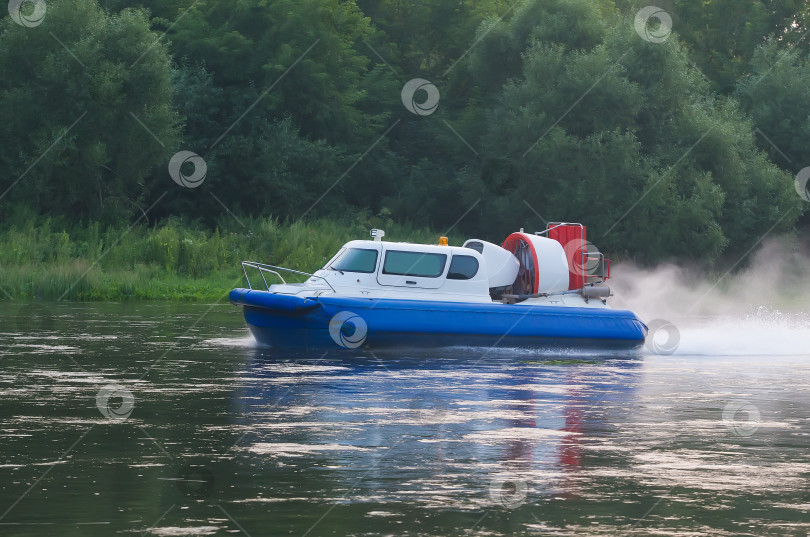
356	260
418	264
462	267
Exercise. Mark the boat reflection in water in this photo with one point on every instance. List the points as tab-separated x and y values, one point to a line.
466	431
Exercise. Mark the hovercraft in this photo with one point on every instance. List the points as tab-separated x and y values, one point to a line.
543	289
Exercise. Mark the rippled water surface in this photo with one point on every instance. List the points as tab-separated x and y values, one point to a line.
165	419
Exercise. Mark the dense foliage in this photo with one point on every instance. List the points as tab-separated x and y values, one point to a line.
172	260
549	109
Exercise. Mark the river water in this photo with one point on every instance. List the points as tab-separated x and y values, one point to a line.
165	419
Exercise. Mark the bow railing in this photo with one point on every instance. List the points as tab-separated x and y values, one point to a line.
274	270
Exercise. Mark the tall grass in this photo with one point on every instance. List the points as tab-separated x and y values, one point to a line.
41	258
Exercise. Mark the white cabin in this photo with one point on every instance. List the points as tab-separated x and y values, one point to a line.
398	270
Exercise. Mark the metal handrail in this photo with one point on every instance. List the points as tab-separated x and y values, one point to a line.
272	269
555	225
603	264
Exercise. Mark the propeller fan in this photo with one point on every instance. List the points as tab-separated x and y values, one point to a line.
527	273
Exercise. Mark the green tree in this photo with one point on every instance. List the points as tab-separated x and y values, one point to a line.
777	95
721	36
430	35
106	72
621	134
260	79
559	110
306	51
498	55
165	11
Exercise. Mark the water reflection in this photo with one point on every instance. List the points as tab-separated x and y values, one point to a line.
224	437
457	423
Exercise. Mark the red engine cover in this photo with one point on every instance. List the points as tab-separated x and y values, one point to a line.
573	240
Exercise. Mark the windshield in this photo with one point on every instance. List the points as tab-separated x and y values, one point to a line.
356	260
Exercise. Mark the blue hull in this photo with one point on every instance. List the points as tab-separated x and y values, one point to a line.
346	322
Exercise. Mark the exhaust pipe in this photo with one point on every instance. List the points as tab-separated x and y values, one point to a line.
595	291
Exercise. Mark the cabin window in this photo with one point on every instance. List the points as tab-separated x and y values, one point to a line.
418	264
462	267
356	260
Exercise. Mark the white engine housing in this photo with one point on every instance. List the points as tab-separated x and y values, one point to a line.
502	266
552	263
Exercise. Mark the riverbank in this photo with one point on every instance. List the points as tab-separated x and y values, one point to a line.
174	260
